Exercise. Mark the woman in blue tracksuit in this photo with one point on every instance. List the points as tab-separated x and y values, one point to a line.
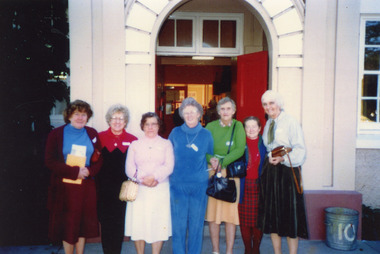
188	182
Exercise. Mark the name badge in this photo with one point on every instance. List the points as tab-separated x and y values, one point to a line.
228	143
195	148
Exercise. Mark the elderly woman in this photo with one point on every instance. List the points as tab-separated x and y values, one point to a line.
72	154
281	206
188	183
151	160
115	143
249	187
220	211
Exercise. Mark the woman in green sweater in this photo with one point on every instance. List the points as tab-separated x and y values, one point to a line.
220	211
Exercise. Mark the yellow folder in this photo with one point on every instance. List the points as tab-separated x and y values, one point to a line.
74	160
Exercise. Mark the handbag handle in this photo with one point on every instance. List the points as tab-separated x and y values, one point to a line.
299	190
134	178
229	146
218	171
232	134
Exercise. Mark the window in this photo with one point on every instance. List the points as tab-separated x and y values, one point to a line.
201	34
219	35
369	86
176	33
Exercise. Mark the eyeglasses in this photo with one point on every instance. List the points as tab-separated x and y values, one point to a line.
150	124
117	119
190	113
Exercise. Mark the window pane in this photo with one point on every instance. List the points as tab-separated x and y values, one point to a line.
228	34
372	33
371	58
369	111
166	36
370	85
184	33
210	33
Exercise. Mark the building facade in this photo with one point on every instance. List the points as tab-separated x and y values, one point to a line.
317	61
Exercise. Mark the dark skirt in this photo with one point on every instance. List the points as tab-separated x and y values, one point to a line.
281	207
73	212
248	209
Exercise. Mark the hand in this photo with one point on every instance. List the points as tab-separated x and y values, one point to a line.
276	160
83	173
150	181
214	163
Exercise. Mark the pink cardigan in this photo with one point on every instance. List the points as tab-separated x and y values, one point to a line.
151	157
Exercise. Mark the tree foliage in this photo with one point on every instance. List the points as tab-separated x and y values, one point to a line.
34	49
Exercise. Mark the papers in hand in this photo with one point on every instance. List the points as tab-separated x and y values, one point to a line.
75	160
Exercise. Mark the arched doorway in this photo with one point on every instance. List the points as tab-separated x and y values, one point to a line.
282	24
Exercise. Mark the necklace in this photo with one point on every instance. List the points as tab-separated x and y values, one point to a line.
190	143
151	143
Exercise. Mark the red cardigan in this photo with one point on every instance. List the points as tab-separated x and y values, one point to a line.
54	160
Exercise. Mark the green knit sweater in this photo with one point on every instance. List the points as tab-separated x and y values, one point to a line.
222	136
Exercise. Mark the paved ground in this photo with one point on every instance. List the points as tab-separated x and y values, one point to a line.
305	247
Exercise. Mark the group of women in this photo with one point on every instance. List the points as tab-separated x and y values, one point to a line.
173	177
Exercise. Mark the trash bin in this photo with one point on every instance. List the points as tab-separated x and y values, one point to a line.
341	228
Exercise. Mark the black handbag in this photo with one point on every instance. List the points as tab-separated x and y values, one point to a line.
237	168
221	188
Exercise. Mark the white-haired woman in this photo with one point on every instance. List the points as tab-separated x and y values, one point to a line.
281	206
219	211
188	183
115	143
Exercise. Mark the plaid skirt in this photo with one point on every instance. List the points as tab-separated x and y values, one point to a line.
248	209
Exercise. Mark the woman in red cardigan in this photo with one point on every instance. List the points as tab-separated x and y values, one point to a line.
115	144
72	192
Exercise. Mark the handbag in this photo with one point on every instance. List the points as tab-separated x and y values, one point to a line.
238	168
281	151
129	189
221	188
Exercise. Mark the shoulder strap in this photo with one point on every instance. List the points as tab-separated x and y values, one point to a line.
232	134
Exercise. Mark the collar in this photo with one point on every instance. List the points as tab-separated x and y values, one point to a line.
223	125
72	129
279	117
189	130
112	141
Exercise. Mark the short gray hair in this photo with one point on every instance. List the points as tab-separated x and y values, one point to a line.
274	96
190	101
117	108
224	101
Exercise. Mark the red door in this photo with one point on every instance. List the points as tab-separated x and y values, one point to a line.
251	83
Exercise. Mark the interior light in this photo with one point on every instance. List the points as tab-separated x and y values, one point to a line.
203	58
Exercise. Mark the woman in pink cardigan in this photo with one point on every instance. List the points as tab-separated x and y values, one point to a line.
151	159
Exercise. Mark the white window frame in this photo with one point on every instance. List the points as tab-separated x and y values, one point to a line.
368	132
198	49
176	50
239	34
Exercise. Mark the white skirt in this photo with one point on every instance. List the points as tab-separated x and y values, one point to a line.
148	218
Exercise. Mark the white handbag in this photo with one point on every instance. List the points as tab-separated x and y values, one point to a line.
129	189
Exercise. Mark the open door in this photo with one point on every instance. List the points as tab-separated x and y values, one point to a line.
251	83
